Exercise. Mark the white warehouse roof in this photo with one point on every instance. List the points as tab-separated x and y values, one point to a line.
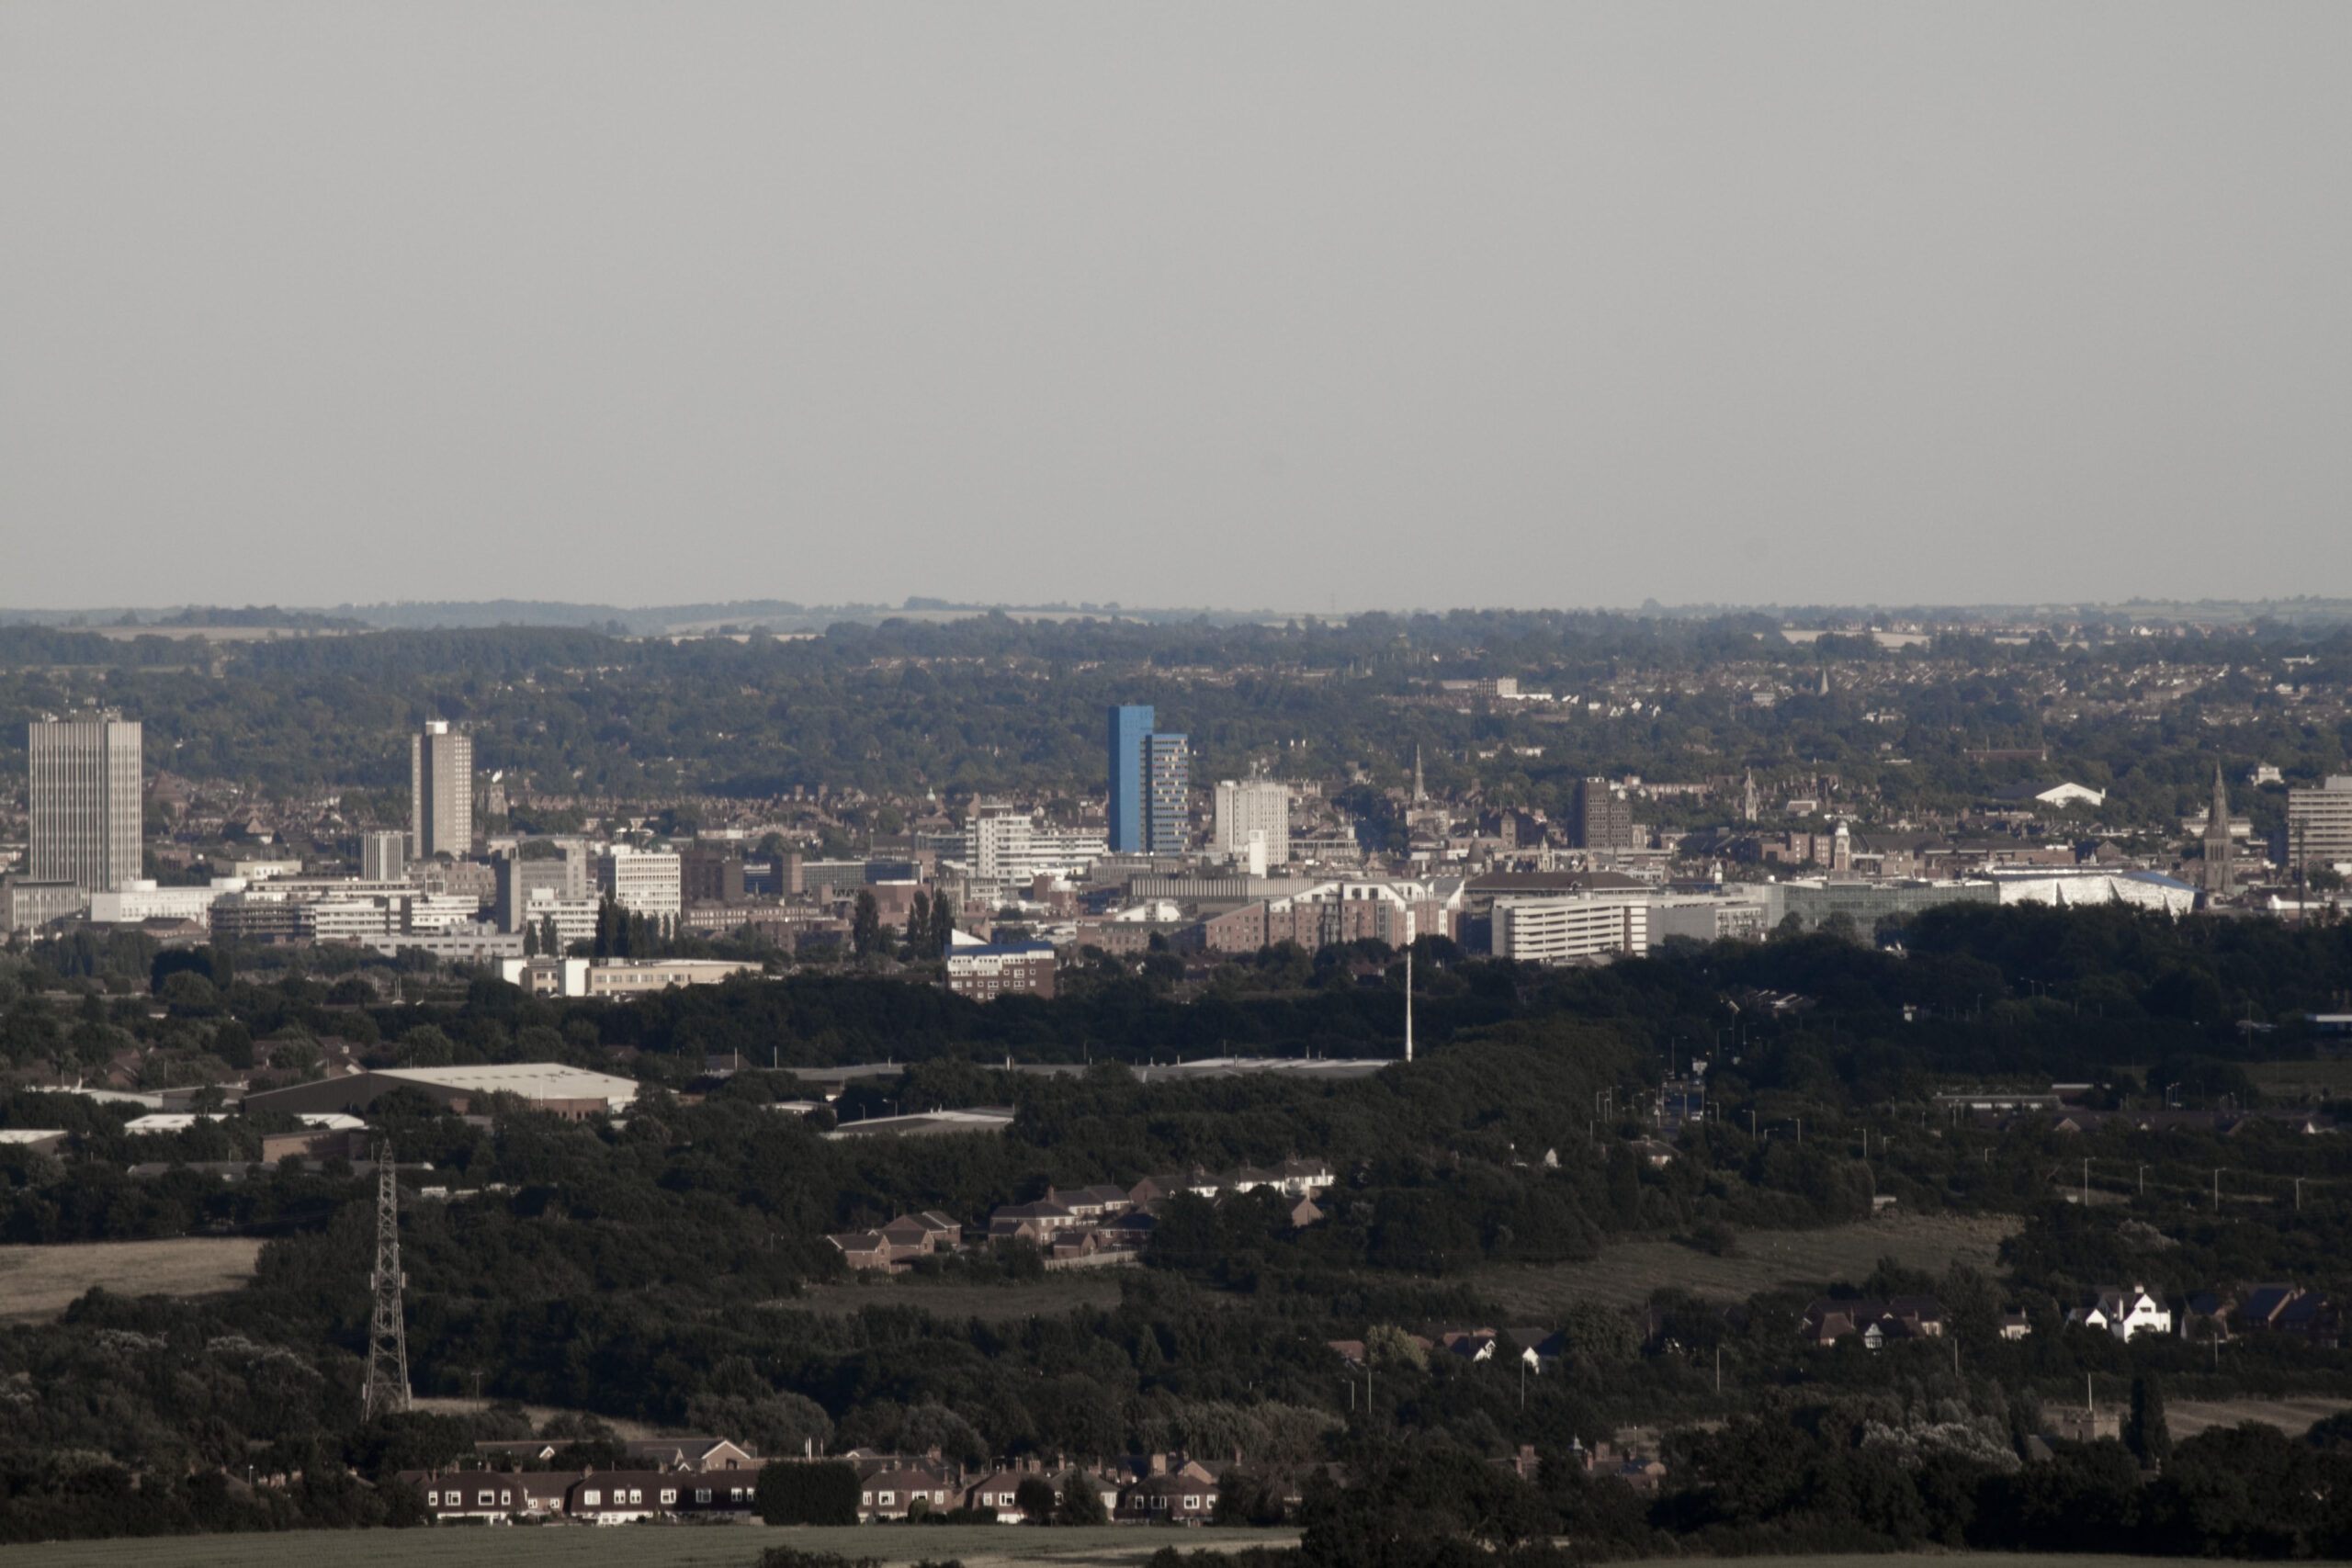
531	1080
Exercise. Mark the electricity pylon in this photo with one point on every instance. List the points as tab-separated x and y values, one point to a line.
387	1339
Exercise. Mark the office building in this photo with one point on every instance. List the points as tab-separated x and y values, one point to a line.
384	857
1601	818
1001	843
575	919
1564	929
27	906
519	882
711	875
2319	824
1130	730
142	900
644	882
1252	806
1167	793
441	798
1866	904
85	802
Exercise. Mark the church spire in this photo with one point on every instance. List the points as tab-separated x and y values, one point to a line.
1420	792
2217	837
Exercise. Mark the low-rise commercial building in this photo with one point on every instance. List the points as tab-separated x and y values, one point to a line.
573	1092
1569	930
143	900
30	903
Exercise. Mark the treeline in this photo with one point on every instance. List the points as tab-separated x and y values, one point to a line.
991	703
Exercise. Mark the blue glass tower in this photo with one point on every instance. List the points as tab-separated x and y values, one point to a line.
1130	732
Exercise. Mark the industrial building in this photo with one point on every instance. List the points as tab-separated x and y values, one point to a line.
573	1092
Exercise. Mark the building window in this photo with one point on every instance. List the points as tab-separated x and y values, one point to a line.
888	1498
591	1499
506	1499
702	1493
433	1499
486	1500
635	1495
668	1496
735	1494
1191	1502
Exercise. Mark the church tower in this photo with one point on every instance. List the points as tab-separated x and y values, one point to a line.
2216	880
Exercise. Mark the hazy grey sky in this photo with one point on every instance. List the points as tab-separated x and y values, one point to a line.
1230	304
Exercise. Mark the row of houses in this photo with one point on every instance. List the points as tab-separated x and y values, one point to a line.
589	1496
1170	1489
2124	1311
1162	1488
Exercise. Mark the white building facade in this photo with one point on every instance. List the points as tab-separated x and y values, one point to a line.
644	882
1248	814
1569	930
88	813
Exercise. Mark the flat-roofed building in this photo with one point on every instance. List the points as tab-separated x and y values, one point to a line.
86	814
575	919
143	900
2319	824
1565	930
441	797
985	971
575	1092
517	880
644	882
384	857
640	976
1602	818
1250	812
710	875
27	904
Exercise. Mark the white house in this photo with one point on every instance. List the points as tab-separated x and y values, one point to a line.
2125	1312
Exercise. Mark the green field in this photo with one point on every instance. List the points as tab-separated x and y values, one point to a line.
2294	1083
37	1283
1626	1272
634	1546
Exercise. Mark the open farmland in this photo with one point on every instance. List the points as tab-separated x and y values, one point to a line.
640	1546
2187	1418
2297	1083
39	1283
1626	1272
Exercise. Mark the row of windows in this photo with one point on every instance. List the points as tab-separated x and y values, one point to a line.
590	1497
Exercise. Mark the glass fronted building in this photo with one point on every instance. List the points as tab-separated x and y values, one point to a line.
1130	729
